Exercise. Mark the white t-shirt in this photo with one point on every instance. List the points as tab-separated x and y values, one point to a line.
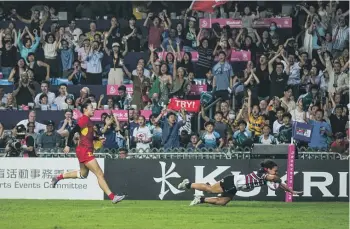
38	126
50	95
297	116
142	133
276	127
146	73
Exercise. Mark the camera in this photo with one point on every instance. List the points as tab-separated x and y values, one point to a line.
14	145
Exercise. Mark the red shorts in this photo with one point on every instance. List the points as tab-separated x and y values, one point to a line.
84	154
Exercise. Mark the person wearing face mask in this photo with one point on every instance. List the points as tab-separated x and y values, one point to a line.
273	29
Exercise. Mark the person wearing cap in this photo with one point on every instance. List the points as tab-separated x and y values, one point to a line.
133	35
49	139
115	60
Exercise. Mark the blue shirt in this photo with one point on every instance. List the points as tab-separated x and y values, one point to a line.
110	136
67	58
321	33
23	50
222	75
93	61
210	139
319	139
170	134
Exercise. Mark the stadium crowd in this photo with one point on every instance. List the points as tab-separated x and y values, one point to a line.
291	79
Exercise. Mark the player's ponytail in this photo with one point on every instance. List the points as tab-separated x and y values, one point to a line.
268	164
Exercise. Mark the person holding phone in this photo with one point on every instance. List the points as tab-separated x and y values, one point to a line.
77	77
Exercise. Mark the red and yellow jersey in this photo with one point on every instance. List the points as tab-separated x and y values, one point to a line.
86	132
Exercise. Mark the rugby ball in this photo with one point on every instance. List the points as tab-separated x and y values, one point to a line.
272	185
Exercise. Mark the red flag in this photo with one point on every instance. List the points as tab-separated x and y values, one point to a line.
206	6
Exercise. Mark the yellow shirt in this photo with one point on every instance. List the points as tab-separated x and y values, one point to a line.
256	124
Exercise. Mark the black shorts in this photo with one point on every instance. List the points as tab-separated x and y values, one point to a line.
228	186
223	94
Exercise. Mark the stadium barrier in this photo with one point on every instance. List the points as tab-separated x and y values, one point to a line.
321	180
29	178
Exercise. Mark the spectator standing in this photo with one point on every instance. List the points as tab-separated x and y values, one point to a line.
73	30
278	78
132	35
93	31
155	31
17	71
321	131
40	68
67	57
94	66
286	130
223	75
340	37
298	114
8	54
115	61
338	122
83	52
286	101
142	134
35	22
170	133
29	45
114	34
50	47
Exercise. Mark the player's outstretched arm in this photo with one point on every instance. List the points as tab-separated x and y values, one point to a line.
287	189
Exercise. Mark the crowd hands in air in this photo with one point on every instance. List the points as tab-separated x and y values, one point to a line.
296	76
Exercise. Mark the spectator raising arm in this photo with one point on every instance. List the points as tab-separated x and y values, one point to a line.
270	64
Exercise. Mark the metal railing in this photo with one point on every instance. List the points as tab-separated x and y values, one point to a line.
183	153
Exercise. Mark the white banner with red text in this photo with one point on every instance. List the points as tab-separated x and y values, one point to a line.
283	23
113	89
30	178
121	115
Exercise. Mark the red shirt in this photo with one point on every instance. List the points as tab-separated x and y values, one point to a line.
86	132
154	36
